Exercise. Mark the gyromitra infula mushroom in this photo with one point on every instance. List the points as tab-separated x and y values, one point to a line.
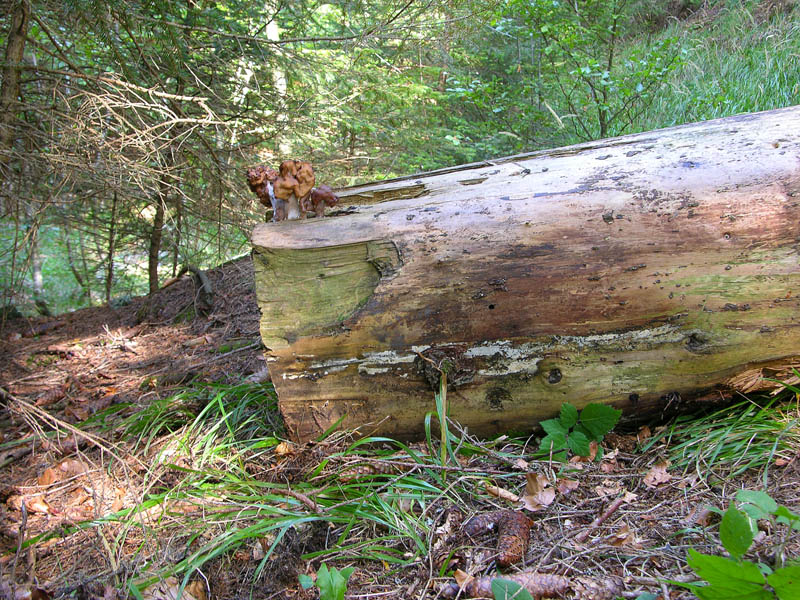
261	181
320	197
290	191
293	185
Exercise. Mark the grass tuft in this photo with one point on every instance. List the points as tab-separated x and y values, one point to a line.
747	435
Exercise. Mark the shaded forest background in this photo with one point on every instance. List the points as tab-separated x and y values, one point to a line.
125	127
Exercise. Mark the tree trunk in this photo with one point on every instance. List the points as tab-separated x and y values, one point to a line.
9	91
36	272
155	242
634	271
112	241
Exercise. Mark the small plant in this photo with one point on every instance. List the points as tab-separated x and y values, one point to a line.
332	583
737	577
575	431
504	589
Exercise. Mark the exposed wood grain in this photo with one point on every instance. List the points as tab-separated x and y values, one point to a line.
631	271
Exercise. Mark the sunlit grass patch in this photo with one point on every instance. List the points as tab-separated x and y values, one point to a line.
747	435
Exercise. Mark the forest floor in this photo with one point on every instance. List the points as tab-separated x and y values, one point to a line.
87	511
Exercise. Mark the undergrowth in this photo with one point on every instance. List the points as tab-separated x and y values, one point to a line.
739	58
750	434
221	480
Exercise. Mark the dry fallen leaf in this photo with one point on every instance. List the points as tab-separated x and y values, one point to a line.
657	474
609	464
565	486
537	494
462	578
48	477
53	395
521	464
499	492
609	487
39	504
643	434
72	467
168	590
622	537
77	412
119	500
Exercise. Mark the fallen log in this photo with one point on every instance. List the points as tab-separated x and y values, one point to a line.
634	271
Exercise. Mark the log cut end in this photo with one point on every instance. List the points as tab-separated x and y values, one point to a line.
313	291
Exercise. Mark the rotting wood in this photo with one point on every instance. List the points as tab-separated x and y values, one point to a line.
634	271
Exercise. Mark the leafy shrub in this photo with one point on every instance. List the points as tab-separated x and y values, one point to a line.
736	577
575	431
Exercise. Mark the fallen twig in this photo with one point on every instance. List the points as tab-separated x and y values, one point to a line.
581	537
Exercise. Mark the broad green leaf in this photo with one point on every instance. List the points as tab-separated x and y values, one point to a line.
599	419
724	572
504	589
578	443
758	499
553	442
647	596
581	429
736	531
786	517
347	572
305	581
554	426
749	591
569	415
339	585
786	582
325	583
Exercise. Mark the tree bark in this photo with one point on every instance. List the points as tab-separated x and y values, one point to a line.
9	91
112	241
635	271
155	242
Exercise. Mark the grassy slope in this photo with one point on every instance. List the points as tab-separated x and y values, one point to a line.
740	57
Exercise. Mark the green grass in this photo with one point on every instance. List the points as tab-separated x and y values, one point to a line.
747	435
207	436
735	63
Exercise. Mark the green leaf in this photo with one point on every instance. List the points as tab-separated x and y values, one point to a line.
325	583
504	589
569	415
599	419
581	429
553	442
305	581
736	531
332	583
554	426
786	582
647	596
345	573
579	443
759	500
724	572
732	592
785	517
